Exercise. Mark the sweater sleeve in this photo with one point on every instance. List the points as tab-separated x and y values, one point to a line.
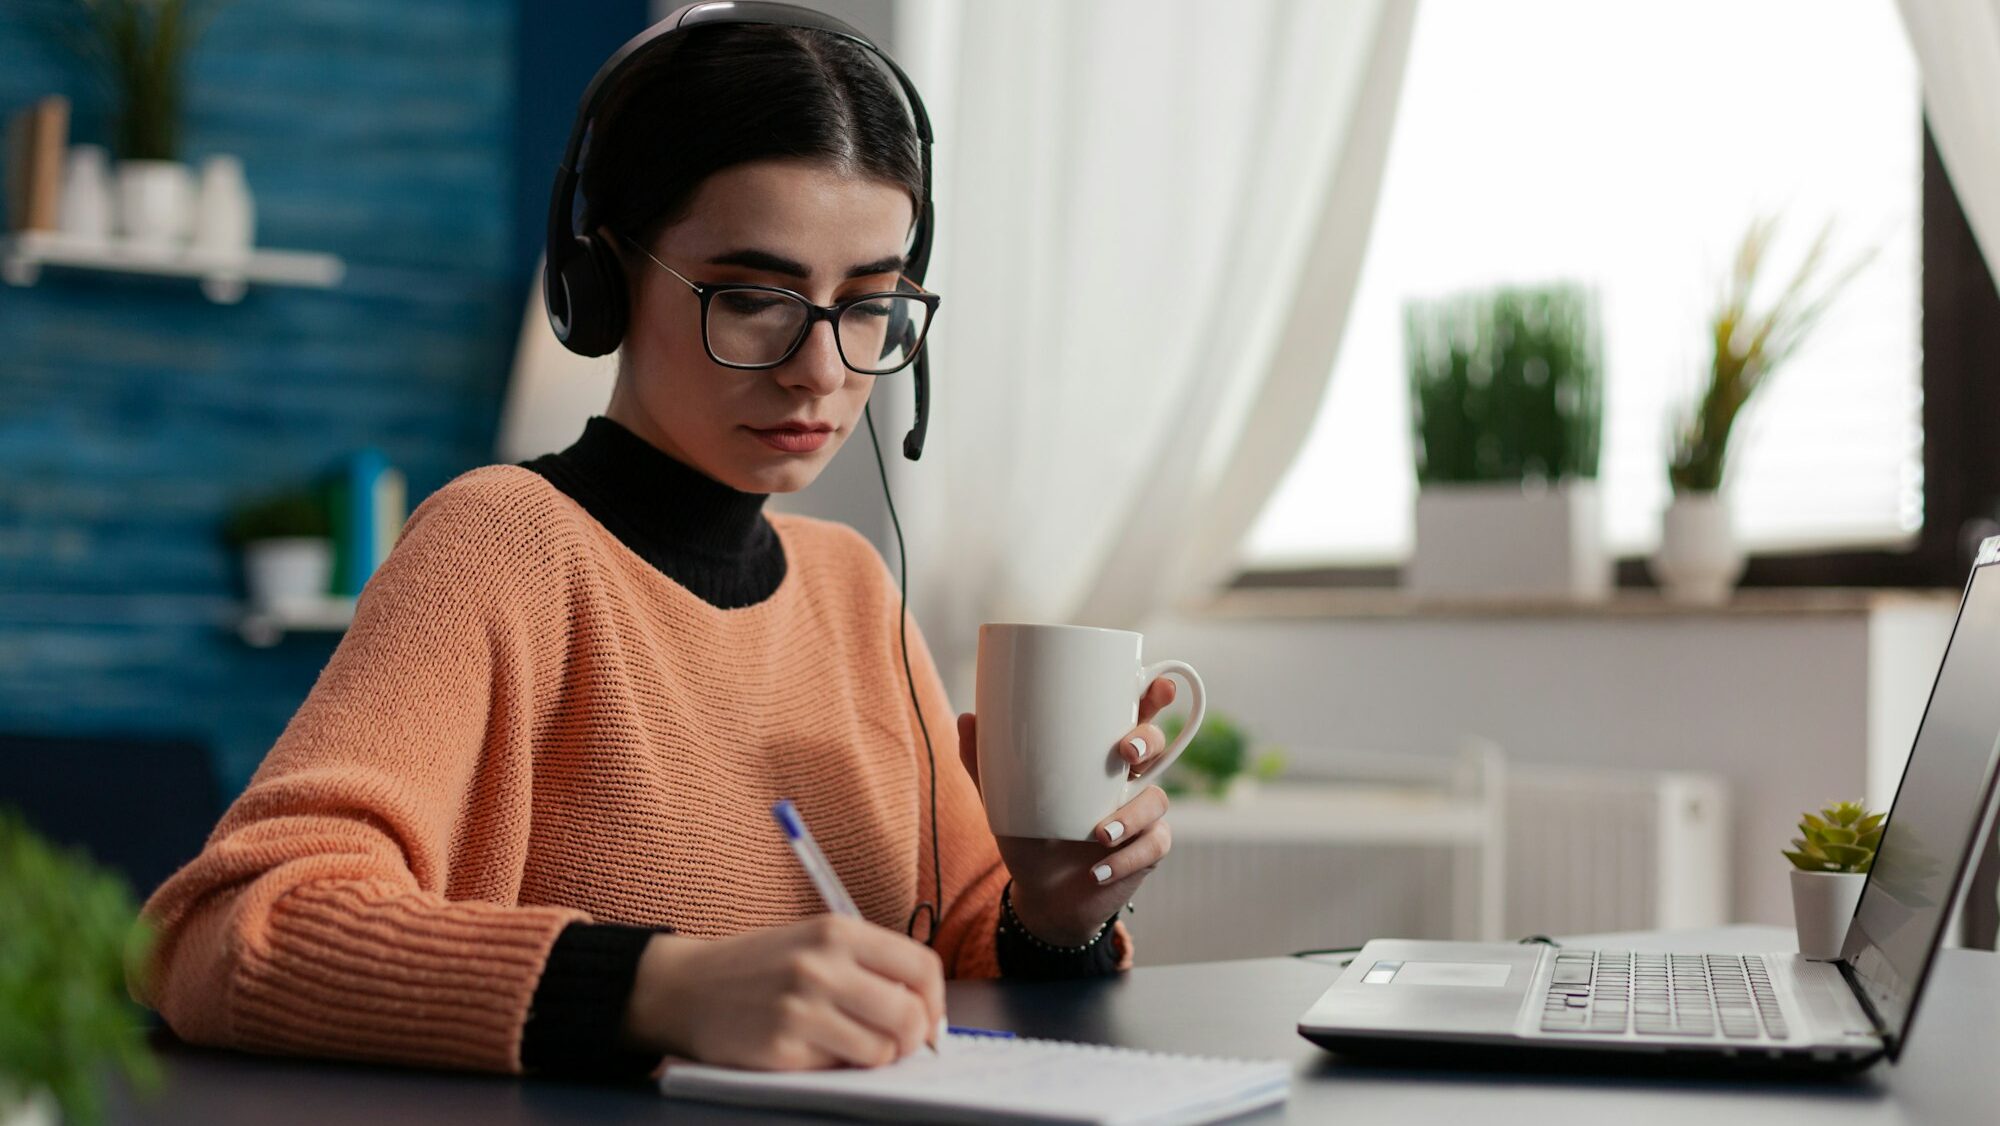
972	870
319	919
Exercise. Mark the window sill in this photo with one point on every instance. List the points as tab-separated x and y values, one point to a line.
1357	602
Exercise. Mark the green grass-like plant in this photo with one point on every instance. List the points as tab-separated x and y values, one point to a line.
1841	838
68	932
1216	755
1749	345
138	50
1506	385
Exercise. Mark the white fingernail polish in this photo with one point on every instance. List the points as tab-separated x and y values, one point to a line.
1139	747
1102	872
1114	829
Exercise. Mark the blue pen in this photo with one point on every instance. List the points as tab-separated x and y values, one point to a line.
821	873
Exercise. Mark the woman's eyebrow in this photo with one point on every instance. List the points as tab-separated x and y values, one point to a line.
778	264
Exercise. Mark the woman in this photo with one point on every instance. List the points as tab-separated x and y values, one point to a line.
521	821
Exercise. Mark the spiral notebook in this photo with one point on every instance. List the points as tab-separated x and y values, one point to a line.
979	1079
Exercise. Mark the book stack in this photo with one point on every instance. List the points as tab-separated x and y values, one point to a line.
368	503
37	139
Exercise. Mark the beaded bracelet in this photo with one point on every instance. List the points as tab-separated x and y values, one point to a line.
1013	922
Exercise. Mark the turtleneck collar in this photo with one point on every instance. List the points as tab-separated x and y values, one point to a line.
703	534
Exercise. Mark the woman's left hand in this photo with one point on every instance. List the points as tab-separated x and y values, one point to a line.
1064	890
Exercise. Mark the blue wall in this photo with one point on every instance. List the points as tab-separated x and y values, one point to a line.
411	137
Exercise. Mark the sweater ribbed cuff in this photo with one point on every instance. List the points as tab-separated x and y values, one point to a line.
375	970
576	1022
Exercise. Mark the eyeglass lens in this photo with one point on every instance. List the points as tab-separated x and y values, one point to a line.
754	326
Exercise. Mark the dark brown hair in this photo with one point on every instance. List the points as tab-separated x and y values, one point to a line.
729	95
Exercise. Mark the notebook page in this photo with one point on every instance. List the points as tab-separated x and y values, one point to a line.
984	1079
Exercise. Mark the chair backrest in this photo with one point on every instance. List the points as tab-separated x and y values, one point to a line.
139	805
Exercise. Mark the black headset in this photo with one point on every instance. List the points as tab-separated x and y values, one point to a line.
583	285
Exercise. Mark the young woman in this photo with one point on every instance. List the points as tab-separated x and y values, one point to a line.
522	819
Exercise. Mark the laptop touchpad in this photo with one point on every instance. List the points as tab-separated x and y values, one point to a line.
1492	974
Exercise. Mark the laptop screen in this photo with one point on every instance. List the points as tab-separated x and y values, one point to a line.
1927	840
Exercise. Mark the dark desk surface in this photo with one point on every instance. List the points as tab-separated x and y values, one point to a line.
1246	1008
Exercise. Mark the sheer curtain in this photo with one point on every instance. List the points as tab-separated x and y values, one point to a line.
1152	216
1957	43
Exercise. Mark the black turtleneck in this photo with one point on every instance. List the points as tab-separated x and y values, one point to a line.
704	535
715	541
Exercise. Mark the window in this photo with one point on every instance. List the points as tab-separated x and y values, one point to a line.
1628	147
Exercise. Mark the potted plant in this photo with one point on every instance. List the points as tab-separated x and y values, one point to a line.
71	933
1830	862
1507	403
1699	559
139	50
1217	762
287	543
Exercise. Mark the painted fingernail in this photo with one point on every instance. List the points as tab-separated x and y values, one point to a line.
1138	748
1113	830
1102	872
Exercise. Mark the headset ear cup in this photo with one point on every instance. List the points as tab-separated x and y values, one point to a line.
594	294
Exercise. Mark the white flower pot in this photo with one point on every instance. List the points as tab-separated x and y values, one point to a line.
288	572
86	211
1504	540
1699	559
224	218
1822	905
38	1108
155	203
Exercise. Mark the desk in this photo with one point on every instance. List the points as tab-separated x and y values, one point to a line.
1245	1008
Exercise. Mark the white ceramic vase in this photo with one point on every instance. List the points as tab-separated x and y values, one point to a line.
86	209
1822	905
288	572
1698	560
155	201
224	215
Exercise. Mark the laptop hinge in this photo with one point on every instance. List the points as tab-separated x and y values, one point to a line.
1867	1005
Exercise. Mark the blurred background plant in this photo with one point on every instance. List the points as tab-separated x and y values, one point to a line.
1749	345
300	511
70	932
138	49
1506	384
1217	756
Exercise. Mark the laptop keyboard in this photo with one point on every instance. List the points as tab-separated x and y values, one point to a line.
1610	992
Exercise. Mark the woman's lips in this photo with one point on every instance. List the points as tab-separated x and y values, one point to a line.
793	441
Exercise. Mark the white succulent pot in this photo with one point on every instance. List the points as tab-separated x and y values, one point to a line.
37	1108
155	203
1699	558
288	572
1509	540
1822	905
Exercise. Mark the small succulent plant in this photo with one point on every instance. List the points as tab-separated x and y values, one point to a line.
1840	838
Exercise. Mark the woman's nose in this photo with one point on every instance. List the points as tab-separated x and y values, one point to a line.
816	366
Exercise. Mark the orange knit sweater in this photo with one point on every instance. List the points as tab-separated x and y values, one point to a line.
528	725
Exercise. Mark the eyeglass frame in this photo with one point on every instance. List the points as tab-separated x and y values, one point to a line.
831	314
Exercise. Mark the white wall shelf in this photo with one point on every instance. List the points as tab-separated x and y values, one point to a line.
264	627
224	278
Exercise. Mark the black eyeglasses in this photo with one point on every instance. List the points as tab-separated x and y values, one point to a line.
754	327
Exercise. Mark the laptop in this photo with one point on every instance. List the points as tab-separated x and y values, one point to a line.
1560	1006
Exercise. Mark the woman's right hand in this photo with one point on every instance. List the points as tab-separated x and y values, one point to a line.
828	991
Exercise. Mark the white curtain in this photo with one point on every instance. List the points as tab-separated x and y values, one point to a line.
1152	217
1957	43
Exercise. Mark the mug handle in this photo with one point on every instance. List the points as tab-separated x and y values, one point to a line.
1197	708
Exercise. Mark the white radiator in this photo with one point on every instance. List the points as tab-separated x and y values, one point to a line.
1563	851
1592	851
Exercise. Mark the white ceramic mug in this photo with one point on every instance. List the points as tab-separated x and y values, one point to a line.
1053	703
